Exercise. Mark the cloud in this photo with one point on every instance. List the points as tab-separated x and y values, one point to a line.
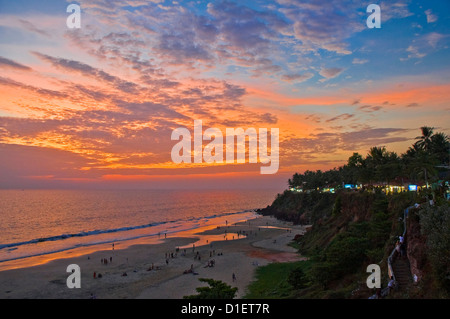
7	63
433	38
242	120
371	137
424	45
233	92
341	117
370	108
311	149
85	69
248	37
329	73
394	10
31	27
297	77
246	29
359	61
102	137
121	128
182	39
138	69
228	36
40	91
15	164
323	24
183	46
414	52
430	16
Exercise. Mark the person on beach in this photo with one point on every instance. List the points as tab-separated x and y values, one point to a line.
397	247
234	277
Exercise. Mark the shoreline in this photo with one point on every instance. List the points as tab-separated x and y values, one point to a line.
155	270
158	232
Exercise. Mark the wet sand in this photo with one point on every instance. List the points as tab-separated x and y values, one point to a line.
156	270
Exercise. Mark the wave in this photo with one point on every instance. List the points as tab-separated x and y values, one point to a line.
13	246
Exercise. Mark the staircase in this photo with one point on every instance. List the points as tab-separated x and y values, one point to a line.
402	272
398	266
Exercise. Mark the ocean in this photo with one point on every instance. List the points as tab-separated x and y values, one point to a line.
46	222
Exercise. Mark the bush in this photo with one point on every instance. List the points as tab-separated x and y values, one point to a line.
375	255
435	224
298	279
216	290
324	272
337	206
347	253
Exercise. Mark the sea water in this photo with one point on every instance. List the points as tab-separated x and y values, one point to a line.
42	222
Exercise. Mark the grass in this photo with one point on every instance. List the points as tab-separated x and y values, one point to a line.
377	223
271	281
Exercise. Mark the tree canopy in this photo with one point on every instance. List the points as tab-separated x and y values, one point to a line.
216	290
428	157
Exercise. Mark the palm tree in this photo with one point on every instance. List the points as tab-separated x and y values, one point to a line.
356	160
424	141
423	164
374	161
377	154
429	151
440	146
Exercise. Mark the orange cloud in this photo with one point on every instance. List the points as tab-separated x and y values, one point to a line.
410	95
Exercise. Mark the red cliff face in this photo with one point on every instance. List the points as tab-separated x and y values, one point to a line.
416	248
357	208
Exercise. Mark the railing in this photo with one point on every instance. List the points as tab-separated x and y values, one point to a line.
391	256
385	291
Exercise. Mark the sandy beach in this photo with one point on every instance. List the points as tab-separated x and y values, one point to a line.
156	270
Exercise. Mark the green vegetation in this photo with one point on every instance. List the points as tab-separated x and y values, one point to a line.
305	209
343	245
216	290
339	247
435	225
424	162
352	229
278	280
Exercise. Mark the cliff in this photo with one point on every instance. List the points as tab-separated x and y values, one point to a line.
351	230
416	248
301	208
429	249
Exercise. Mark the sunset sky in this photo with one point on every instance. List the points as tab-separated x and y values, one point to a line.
96	106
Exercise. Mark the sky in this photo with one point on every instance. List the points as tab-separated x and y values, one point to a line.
96	106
